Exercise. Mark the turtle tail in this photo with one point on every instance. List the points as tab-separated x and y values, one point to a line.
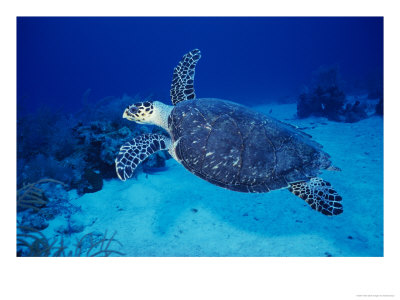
319	194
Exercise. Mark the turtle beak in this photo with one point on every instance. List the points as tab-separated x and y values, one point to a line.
128	113
125	114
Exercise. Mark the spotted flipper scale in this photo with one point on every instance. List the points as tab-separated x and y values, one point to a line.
132	153
320	195
182	87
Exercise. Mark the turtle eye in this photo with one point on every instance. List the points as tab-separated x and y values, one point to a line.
133	109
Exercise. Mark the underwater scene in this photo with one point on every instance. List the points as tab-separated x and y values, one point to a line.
199	136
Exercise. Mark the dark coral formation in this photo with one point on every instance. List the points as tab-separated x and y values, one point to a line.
379	107
325	98
355	112
322	102
77	149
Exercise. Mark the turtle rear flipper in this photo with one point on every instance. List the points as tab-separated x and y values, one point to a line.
132	153
319	194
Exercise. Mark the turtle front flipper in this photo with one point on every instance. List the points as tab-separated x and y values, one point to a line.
182	87
132	153
319	194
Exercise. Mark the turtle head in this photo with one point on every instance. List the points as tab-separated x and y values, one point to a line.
140	112
155	113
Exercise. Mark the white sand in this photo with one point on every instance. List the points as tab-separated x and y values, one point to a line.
174	213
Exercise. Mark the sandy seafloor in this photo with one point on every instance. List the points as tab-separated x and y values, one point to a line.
174	213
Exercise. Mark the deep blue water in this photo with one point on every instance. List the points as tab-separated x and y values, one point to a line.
244	59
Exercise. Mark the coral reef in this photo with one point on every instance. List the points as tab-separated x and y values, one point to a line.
78	149
326	99
94	179
32	196
32	243
355	112
58	153
42	201
322	103
98	145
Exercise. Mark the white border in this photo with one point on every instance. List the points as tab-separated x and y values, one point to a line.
204	278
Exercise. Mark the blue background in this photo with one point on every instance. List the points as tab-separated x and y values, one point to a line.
245	59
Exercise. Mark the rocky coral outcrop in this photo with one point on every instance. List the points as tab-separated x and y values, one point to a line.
98	145
78	149
326	99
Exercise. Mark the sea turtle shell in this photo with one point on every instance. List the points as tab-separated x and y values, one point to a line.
239	149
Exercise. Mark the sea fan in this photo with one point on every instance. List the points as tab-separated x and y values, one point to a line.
31	196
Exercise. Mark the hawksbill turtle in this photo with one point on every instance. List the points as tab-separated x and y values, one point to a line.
229	145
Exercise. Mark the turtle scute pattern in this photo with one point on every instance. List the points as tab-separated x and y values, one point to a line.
319	194
233	147
182	87
132	153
